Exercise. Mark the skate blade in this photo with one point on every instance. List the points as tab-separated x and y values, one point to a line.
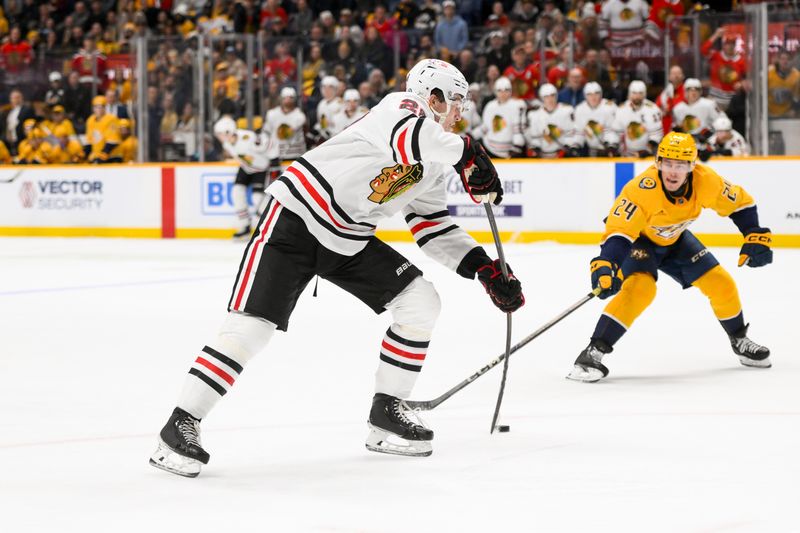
586	375
763	363
167	459
382	441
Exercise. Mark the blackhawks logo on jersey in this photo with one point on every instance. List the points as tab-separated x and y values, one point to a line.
626	14
553	133
728	75
690	123
498	123
460	126
520	87
323	122
394	181
635	130
594	129
285	132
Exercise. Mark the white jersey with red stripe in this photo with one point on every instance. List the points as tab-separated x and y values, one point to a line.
343	119
288	130
736	144
594	125
503	125
551	131
253	151
395	159
326	111
638	125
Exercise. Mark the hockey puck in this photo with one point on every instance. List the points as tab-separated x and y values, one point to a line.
503	429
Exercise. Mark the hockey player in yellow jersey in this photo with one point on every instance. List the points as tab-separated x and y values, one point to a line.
5	155
646	231
129	145
102	133
71	149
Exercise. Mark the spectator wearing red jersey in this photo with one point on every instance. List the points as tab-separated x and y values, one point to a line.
282	66
671	96
727	67
557	75
661	13
499	15
380	20
272	9
524	76
90	65
16	53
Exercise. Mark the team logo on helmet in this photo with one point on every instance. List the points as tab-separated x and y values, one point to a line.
690	123
647	183
635	130
285	132
498	123
394	181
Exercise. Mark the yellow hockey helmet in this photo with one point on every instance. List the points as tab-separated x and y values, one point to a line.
676	145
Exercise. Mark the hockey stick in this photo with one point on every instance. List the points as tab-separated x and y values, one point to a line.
13	177
487	204
433	404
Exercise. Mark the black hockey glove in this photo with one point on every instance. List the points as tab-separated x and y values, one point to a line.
606	276
506	295
705	154
573	151
644	154
477	171
756	251
611	150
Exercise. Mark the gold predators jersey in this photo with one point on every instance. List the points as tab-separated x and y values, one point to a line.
99	132
126	150
642	208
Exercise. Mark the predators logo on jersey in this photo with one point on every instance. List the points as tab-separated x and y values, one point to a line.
690	123
635	130
593	129
394	181
285	132
553	134
498	123
647	183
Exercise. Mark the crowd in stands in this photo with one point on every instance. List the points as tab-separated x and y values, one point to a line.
549	78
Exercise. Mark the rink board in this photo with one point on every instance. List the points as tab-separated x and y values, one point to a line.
563	201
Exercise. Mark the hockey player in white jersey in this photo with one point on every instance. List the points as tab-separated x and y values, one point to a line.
321	220
330	105
638	122
551	128
594	123
503	122
696	114
351	112
257	155
287	123
726	140
471	121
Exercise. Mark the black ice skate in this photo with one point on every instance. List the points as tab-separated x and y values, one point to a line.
588	366
243	233
179	449
750	353
392	431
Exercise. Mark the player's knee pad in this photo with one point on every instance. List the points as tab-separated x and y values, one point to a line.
243	336
637	293
416	309
718	286
239	196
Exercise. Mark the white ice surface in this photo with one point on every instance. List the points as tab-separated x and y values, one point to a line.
97	336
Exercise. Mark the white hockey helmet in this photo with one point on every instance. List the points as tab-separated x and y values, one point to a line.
722	123
692	83
330	81
592	88
502	84
352	95
224	127
548	89
637	87
430	74
288	92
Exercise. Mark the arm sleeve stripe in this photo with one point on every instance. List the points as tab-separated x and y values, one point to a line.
423	225
415	153
328	189
394	132
432	216
401	145
424	240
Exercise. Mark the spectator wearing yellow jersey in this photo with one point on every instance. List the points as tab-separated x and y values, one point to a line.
5	155
127	149
102	133
71	149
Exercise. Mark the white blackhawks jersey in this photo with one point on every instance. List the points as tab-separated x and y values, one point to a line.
253	151
551	131
326	110
697	117
595	125
470	123
737	144
503	125
287	129
341	120
638	126
395	159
